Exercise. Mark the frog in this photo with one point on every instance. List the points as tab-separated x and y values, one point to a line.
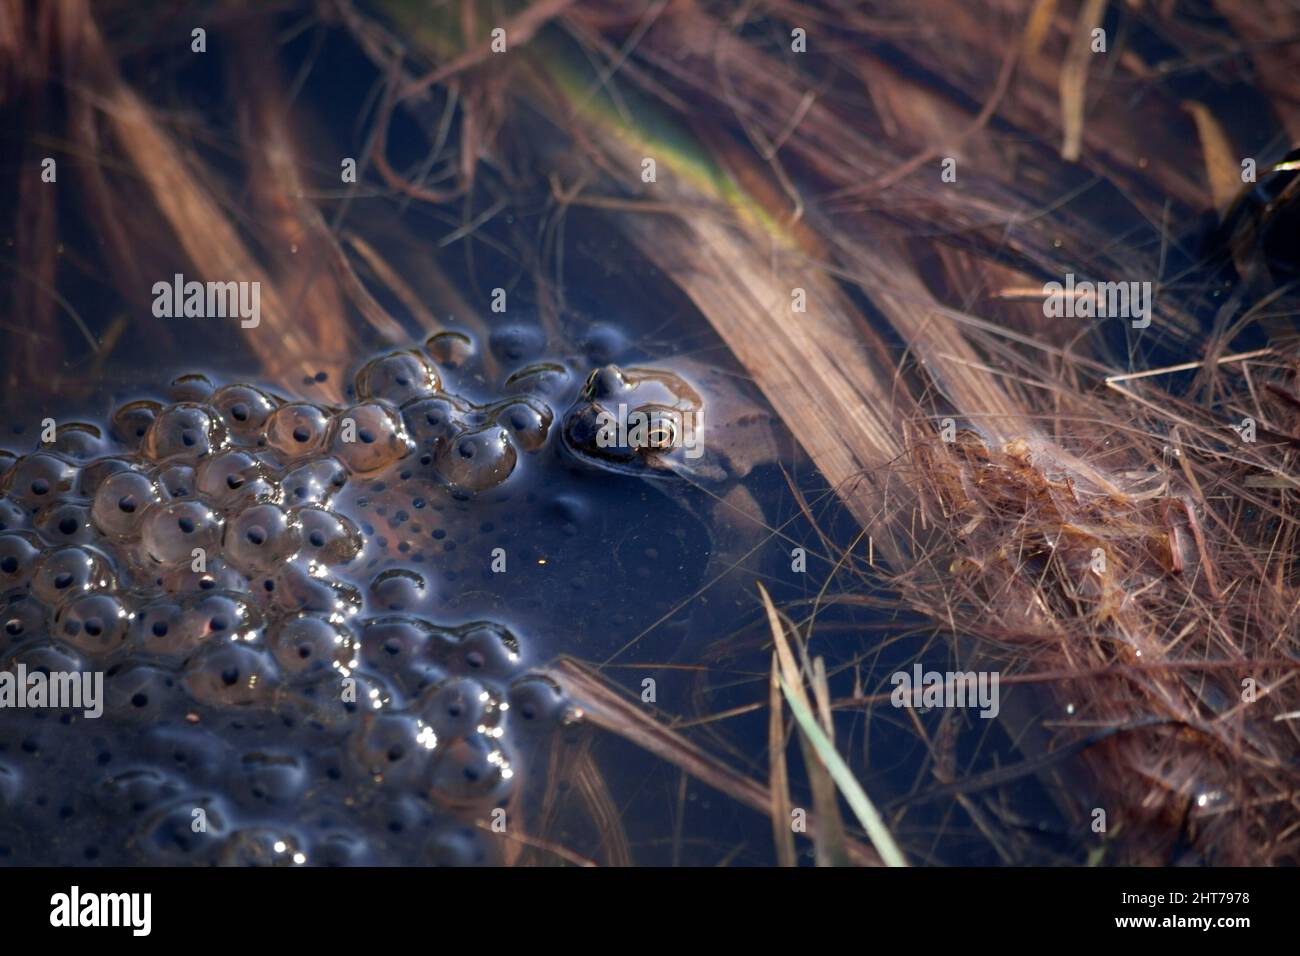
681	435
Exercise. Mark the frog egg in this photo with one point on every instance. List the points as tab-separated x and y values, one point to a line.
470	770
537	700
139	692
489	649
297	429
215	575
7	460
450	349
368	438
459	847
529	421
171	532
132	792
40	478
243	410
231	478
477	460
13	517
66	523
132	422
262	537
399	649
22	618
185	431
156	629
342	848
78	441
516	343
215	617
392	748
273	777
121	502
314	482
398	589
175	480
230	674
328	538
603	344
167	836
397	377
49	656
95	624
19	552
64	572
455	707
336	700
293	588
309	643
195	387
433	422
96	472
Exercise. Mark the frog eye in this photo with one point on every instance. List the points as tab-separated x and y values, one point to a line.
662	432
663	428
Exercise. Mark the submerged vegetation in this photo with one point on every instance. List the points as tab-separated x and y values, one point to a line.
864	222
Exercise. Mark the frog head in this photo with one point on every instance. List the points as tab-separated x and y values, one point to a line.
639	421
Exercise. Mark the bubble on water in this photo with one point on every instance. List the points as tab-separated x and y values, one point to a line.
397	377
